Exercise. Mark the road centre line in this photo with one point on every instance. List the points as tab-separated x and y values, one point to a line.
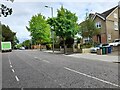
17	78
91	77
9	61
36	57
11	66
13	70
42	60
46	61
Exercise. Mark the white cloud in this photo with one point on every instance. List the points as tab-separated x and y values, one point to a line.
63	0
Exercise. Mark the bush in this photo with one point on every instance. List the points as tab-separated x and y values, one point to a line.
69	41
87	45
48	46
57	45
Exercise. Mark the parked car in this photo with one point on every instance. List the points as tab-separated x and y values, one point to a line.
22	48
94	49
116	42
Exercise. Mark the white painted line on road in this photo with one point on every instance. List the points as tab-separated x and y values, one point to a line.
17	78
11	66
46	61
91	77
9	61
13	70
35	57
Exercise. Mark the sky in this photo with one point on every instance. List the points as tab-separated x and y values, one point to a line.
23	10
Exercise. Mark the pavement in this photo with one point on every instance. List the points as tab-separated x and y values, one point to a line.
113	57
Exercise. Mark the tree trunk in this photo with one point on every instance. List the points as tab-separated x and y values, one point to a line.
65	48
40	47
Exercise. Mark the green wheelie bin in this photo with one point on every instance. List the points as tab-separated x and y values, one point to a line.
104	50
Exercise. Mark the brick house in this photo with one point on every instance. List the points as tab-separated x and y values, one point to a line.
107	22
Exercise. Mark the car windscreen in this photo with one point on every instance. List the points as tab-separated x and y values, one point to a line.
105	44
117	40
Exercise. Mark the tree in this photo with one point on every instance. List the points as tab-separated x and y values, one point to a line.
39	29
15	42
5	11
88	28
26	44
65	24
9	35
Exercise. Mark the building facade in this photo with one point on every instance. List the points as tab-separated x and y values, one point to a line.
107	22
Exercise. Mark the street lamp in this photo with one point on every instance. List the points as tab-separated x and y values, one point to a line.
119	17
53	27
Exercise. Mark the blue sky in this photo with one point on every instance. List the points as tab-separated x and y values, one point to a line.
23	10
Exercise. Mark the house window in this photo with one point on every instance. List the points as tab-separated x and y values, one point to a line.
98	25
116	25
115	15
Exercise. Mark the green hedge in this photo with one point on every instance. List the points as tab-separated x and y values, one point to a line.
86	45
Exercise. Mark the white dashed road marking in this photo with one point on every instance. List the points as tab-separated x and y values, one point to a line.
13	70
35	57
17	78
9	61
91	77
11	66
46	61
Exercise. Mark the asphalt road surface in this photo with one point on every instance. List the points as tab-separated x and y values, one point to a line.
37	69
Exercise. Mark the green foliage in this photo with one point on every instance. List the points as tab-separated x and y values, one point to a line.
78	40
48	46
86	45
26	43
8	35
88	28
15	42
5	11
69	42
19	45
65	24
57	45
39	29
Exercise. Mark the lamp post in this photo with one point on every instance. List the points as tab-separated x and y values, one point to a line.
119	17
53	27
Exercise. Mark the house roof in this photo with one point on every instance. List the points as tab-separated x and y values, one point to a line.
105	14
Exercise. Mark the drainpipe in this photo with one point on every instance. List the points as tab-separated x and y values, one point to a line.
106	32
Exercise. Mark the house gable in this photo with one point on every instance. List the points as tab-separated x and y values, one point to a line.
97	15
105	14
112	12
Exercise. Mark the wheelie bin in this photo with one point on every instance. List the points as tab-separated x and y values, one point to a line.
109	49
103	50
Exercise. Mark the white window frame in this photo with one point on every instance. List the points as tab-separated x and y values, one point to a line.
116	25
98	24
115	15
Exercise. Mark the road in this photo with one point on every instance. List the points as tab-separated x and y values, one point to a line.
37	69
